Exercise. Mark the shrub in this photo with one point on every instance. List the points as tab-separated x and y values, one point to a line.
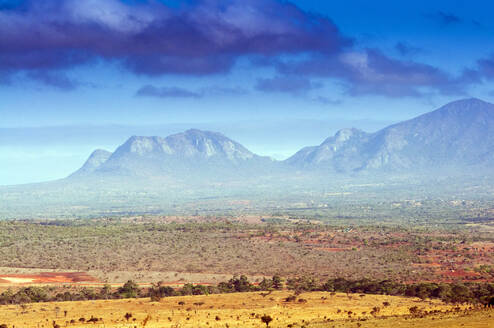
291	298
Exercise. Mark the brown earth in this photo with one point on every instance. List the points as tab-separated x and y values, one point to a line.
46	278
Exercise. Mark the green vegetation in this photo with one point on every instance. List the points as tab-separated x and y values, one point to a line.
297	247
472	293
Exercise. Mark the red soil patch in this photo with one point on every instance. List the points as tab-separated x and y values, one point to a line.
47	277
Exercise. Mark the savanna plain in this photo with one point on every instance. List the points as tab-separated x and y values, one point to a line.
306	268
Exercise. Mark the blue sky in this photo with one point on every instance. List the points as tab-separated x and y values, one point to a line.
251	69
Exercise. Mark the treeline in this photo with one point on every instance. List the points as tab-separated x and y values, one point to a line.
475	293
130	289
448	292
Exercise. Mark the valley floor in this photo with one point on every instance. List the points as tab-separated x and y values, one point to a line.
315	309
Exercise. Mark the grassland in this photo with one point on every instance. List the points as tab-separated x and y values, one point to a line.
315	309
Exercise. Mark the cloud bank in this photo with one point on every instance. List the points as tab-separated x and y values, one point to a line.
148	37
202	37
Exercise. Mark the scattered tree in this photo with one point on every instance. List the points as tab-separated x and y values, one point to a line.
266	319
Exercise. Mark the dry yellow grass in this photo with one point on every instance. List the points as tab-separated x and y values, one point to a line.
320	309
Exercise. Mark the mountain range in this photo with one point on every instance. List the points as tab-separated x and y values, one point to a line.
447	153
457	136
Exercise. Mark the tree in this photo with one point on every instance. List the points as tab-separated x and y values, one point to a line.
129	290
266	319
106	291
266	284
277	282
235	284
241	284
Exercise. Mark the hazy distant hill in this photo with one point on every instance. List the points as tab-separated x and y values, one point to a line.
456	136
191	154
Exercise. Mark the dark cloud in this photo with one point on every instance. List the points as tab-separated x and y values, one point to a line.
486	67
204	37
483	71
148	37
54	79
176	92
287	84
405	49
445	18
372	72
478	24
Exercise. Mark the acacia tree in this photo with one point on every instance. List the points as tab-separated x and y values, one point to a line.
266	319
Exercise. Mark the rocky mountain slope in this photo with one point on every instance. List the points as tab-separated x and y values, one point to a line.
192	153
457	135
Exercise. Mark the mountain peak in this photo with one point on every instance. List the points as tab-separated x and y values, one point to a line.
345	134
471	100
95	160
205	144
467	106
189	144
202	134
139	145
